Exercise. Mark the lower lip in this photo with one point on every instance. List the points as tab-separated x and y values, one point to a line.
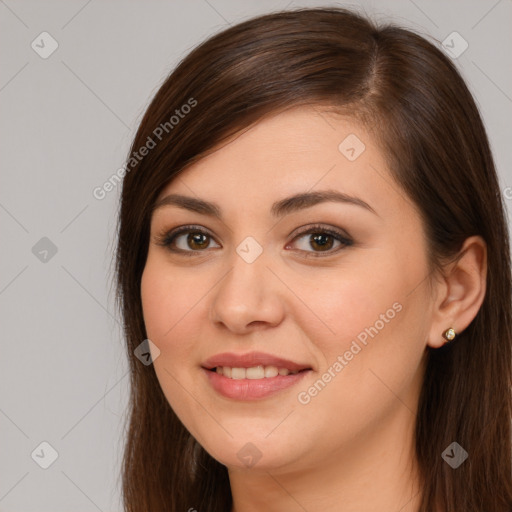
252	389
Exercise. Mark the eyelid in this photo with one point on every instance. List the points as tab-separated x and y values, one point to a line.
318	227
338	234
167	237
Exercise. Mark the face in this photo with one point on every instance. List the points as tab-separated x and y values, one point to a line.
337	287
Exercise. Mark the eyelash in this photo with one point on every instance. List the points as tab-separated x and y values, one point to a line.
166	239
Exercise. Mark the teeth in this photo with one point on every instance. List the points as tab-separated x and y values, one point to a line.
255	372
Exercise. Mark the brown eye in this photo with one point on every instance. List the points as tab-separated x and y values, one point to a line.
318	239
322	241
197	240
187	239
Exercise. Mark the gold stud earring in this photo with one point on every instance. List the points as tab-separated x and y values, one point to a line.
449	334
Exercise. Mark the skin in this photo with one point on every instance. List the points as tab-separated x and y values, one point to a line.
350	448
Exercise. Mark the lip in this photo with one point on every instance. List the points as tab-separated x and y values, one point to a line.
251	389
252	359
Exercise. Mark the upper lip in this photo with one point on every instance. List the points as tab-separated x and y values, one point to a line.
252	359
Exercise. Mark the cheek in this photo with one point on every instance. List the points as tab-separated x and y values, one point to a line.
371	358
346	303
369	317
373	285
169	304
166	300
155	302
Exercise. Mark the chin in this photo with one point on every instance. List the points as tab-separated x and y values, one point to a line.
253	455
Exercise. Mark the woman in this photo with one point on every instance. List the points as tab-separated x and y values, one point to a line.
313	254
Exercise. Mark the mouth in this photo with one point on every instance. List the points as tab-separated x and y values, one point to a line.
255	364
254	383
254	372
252	376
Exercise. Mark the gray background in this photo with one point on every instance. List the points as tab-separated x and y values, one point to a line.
66	125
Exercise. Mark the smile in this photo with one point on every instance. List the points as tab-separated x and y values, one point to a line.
252	383
254	372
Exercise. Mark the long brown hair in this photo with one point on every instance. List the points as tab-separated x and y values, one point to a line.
412	98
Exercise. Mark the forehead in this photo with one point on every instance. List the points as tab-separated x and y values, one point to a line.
301	149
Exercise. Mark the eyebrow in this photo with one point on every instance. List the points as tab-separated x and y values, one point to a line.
279	208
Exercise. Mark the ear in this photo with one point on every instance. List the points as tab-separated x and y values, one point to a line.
460	291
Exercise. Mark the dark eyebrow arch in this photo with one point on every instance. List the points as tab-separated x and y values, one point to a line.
279	208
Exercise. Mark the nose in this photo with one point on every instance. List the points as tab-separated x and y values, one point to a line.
248	297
